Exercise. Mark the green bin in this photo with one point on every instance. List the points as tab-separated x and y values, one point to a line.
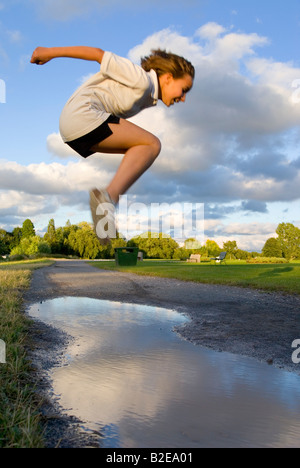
126	256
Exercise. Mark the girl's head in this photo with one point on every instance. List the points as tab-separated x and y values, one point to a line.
175	75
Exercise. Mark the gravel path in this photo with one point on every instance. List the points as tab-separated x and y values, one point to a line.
242	321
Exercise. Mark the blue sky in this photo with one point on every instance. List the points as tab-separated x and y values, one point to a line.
232	146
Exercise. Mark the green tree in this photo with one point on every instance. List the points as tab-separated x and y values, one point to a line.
5	239
83	241
231	248
272	248
212	248
16	237
182	254
242	254
31	246
192	244
289	240
28	229
155	245
51	238
62	237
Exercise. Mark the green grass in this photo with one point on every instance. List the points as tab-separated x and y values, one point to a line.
274	277
19	416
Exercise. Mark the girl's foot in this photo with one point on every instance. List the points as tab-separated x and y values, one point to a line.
103	214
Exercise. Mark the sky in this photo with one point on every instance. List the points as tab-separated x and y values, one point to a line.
233	146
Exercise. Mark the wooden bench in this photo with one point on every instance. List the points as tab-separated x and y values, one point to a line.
194	258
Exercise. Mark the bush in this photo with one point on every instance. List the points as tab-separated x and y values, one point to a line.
205	259
17	258
31	246
267	260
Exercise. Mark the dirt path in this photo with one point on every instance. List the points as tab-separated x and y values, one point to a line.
246	322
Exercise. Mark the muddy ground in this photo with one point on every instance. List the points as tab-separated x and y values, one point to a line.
246	322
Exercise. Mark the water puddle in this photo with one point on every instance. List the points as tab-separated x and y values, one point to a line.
133	380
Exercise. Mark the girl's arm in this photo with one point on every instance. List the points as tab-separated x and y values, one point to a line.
42	55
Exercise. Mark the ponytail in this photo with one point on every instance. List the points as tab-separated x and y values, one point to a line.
165	62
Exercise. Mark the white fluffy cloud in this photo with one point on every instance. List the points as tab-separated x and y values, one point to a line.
233	141
229	141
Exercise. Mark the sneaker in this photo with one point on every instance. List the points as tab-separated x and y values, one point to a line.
103	214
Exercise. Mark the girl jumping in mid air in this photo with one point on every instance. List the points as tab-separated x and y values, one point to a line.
94	118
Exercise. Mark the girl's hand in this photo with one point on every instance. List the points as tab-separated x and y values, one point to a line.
41	56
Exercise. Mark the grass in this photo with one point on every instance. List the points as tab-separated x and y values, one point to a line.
270	277
19	416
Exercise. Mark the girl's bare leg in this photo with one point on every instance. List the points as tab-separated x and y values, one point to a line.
140	149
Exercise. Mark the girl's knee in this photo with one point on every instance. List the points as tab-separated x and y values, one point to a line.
156	145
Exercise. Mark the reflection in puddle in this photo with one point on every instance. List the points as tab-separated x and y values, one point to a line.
136	382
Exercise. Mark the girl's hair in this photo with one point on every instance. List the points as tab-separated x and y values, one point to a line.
165	62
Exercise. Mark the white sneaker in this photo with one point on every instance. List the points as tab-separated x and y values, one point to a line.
103	214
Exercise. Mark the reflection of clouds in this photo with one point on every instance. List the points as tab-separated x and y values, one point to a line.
108	390
131	372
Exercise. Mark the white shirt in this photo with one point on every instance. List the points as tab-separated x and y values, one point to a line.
120	88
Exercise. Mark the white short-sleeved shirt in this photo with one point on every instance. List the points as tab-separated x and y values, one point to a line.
121	88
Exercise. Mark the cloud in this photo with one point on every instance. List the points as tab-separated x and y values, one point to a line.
43	191
56	146
52	179
230	146
249	236
229	141
254	206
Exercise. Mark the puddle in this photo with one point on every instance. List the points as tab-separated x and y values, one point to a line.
133	380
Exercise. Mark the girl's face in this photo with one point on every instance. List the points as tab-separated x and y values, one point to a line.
174	89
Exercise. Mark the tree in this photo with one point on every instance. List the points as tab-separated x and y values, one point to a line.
83	241
16	237
242	254
231	248
193	245
51	238
289	240
182	254
62	237
272	248
5	239
155	245
212	248
31	246
28	229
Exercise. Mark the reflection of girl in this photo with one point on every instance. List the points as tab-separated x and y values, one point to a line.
93	120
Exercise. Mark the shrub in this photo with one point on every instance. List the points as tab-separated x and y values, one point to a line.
31	246
267	260
17	258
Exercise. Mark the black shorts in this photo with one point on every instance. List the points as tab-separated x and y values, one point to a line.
84	144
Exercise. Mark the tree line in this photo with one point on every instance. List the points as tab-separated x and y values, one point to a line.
80	240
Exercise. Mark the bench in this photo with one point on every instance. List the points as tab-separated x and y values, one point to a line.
194	258
220	259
